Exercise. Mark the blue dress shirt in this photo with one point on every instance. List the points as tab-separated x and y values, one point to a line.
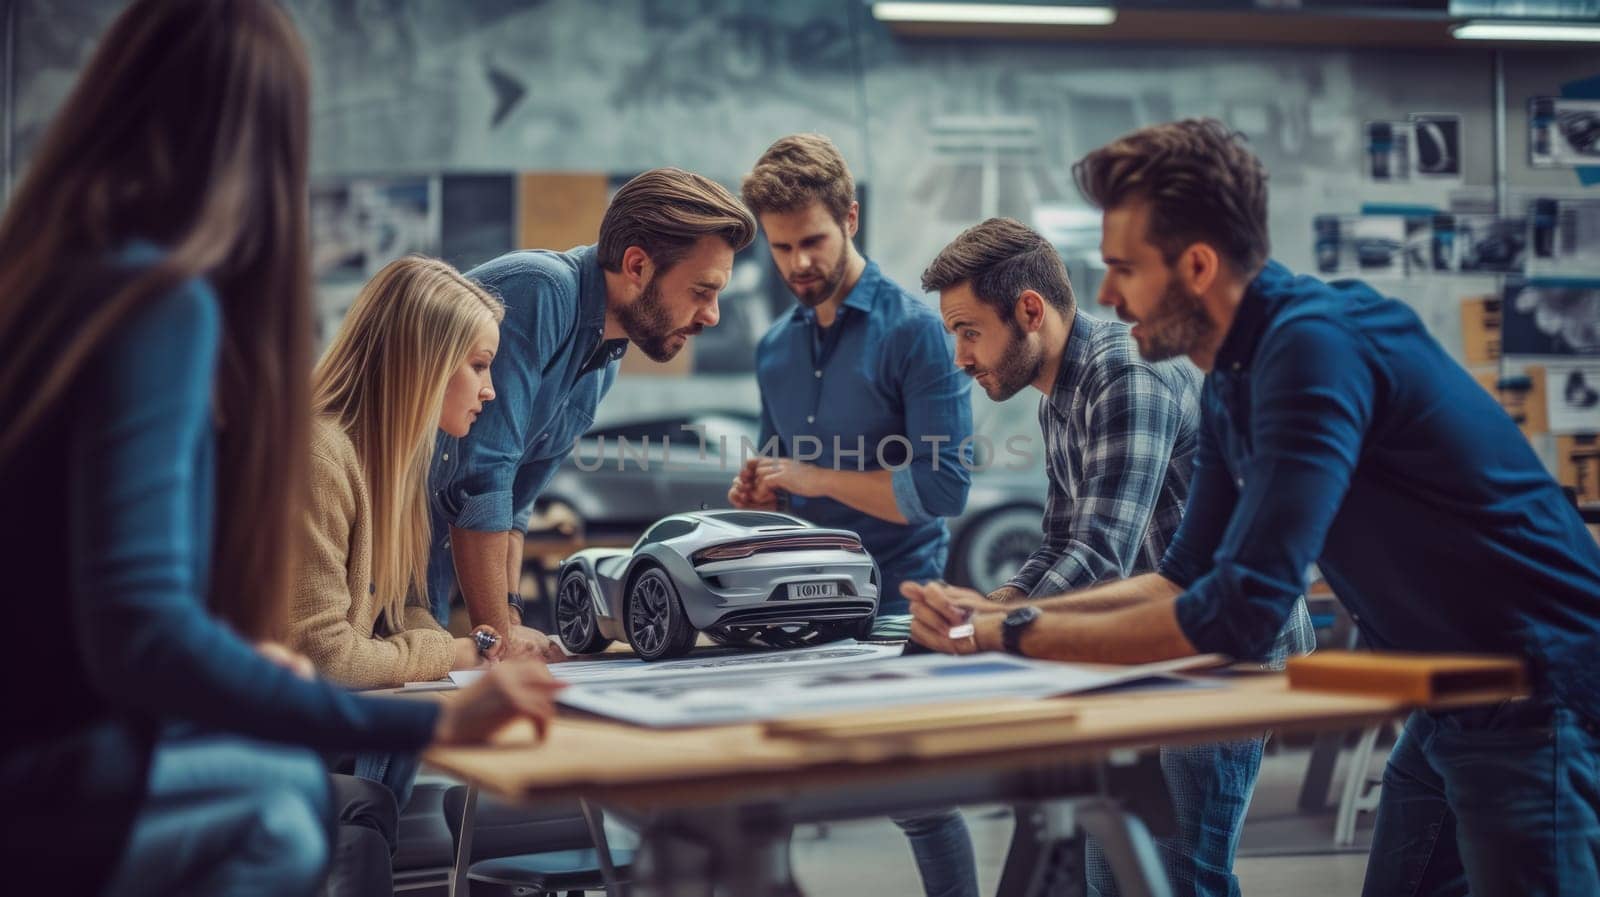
877	389
553	367
1336	430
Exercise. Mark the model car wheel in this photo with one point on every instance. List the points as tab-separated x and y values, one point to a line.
575	617
733	638
995	546
657	627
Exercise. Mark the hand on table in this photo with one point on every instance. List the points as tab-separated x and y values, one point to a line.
506	692
522	642
936	607
293	661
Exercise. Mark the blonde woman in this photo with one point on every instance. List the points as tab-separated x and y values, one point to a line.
412	358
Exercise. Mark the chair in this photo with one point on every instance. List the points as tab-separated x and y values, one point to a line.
513	851
426	850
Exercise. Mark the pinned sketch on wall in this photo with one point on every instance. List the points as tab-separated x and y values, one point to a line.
358	225
1388	151
1551	319
1426	146
1437	140
1563	133
1565	238
1574	391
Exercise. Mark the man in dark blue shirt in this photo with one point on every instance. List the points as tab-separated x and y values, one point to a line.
1335	430
872	419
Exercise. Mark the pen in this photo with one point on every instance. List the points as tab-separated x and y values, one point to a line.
964	629
961	630
485	640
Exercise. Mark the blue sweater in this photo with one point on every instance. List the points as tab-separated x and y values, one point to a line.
110	512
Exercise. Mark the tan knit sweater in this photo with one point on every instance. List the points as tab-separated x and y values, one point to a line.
334	612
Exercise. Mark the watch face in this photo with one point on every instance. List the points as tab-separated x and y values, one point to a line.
1022	616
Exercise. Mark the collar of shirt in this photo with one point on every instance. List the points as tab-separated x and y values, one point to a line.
1074	358
862	297
1261	300
592	312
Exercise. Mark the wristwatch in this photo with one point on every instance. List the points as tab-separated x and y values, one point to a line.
1015	624
517	601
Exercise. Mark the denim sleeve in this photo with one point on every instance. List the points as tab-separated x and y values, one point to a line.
1312	402
1132	420
1212	497
938	412
138	605
539	322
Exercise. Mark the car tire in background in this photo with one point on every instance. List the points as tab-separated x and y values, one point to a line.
991	549
653	617
576	621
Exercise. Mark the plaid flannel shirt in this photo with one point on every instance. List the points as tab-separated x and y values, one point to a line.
1120	435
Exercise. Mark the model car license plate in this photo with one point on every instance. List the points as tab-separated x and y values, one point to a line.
802	590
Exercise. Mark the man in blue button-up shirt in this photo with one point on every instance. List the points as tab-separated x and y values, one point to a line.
1336	430
665	252
859	387
871	417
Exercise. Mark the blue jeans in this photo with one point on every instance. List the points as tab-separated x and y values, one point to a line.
396	771
943	849
1495	800
1211	785
226	816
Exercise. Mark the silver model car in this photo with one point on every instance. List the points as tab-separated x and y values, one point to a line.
738	576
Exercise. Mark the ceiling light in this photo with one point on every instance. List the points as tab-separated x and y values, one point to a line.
994	13
1538	31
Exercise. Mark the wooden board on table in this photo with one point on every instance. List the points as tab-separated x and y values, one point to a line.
1412	678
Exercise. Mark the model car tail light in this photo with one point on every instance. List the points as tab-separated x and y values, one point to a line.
736	550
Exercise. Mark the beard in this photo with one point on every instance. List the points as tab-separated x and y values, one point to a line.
1018	367
649	326
1178	325
823	288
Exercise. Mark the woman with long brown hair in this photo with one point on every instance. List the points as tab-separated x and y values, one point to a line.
154	301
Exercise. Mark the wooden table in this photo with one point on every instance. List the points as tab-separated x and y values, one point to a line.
715	806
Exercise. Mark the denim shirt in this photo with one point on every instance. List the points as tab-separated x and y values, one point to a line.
1336	430
883	376
553	367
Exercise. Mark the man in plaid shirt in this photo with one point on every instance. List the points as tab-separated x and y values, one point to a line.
1120	434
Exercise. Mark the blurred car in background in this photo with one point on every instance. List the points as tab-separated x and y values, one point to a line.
624	476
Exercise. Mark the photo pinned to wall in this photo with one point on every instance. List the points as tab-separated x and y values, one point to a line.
1489	244
1563	133
1551	319
360	224
1437	142
1361	245
1426	146
1574	396
1564	237
1388	151
1414	245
